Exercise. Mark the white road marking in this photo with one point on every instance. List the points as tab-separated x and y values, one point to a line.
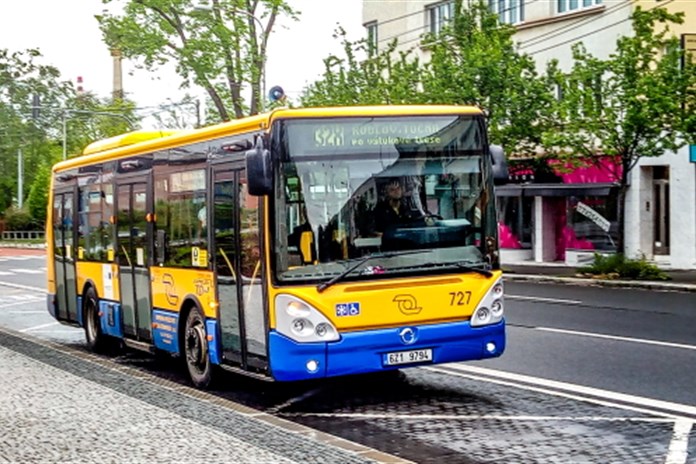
17	303
38	327
3	273
27	271
678	447
475	417
542	299
23	287
659	407
617	338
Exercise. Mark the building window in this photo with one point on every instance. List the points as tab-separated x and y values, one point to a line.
570	5
440	15
508	11
515	226
372	38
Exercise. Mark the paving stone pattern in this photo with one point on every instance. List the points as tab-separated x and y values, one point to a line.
493	424
57	408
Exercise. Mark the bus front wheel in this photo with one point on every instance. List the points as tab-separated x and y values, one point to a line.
96	340
198	362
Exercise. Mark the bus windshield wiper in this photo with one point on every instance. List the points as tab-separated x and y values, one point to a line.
324	285
465	265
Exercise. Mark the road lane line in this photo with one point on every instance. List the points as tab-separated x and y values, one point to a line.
27	271
23	312
618	338
676	409
17	303
547	391
23	287
542	299
679	446
29	329
476	417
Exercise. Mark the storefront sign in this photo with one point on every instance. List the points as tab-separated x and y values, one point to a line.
593	216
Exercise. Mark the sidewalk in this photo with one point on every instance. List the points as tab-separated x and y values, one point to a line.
680	280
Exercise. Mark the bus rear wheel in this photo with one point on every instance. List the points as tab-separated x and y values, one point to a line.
96	340
198	363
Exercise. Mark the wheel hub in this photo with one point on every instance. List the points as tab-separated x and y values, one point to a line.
196	346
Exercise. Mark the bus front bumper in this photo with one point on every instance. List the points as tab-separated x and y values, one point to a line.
367	351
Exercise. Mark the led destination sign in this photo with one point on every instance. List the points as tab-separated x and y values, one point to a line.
356	135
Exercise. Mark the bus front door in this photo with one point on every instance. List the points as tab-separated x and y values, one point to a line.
238	270
134	232
64	257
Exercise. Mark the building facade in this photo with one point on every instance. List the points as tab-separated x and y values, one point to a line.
551	215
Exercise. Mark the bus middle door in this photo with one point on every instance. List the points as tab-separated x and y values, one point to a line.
133	243
238	270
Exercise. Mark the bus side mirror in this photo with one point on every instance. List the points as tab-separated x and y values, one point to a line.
500	169
258	165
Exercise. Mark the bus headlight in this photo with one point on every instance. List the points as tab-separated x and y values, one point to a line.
491	309
302	322
302	327
497	308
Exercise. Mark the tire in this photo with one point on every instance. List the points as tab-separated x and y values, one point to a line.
96	339
195	351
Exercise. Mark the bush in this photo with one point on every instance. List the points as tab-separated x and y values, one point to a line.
617	265
19	219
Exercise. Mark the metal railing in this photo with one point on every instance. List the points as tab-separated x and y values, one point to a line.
23	235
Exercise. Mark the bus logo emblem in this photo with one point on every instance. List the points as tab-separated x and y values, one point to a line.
407	304
408	336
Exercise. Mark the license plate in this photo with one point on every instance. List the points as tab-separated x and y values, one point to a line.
408	357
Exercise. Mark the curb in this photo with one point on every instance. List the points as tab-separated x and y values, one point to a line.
40	246
646	285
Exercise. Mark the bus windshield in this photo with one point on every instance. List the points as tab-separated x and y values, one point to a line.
410	194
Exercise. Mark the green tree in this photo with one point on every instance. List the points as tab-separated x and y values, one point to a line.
25	84
37	201
366	76
635	104
222	50
474	61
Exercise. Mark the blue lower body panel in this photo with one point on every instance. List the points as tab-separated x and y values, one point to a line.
165	330
110	317
366	351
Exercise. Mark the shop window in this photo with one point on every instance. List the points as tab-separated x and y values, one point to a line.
592	223
515	227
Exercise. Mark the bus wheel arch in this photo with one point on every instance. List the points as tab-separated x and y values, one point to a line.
193	345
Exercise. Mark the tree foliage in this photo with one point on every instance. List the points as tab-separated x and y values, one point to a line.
637	103
221	49
472	62
34	101
366	76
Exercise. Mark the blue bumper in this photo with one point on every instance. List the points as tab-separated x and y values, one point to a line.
363	352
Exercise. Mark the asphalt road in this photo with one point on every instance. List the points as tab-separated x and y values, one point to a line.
630	341
590	375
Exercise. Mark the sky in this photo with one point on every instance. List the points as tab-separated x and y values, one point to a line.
69	38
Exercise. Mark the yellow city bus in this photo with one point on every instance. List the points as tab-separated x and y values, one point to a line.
298	244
